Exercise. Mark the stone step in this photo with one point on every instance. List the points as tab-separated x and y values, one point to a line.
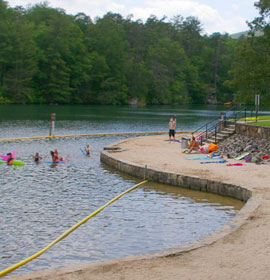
228	130
213	139
231	126
221	135
226	133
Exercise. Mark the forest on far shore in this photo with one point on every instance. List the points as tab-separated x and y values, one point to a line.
50	57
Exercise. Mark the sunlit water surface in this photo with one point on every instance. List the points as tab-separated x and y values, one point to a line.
40	202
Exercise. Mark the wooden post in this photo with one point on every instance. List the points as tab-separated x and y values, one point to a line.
145	171
52	125
257	104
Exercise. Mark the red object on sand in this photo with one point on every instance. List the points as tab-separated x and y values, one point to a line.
235	164
265	157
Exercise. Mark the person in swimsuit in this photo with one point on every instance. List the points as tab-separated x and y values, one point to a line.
87	150
53	156
56	155
172	125
10	159
194	145
37	158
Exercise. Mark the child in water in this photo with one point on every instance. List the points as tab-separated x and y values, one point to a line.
10	159
55	156
37	158
87	150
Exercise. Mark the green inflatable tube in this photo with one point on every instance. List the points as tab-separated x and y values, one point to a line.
17	162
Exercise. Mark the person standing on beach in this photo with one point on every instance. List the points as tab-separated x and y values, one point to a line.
172	126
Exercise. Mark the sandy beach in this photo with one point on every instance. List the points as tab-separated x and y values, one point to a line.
242	254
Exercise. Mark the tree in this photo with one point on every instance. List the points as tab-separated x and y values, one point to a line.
107	40
18	57
62	54
250	71
5	44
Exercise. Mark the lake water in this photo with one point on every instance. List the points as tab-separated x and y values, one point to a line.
40	202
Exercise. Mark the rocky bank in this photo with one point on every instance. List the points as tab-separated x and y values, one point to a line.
238	144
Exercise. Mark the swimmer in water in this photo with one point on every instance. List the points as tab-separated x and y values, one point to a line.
53	156
10	159
37	158
56	155
87	150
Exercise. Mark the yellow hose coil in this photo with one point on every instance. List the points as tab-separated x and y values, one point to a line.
65	234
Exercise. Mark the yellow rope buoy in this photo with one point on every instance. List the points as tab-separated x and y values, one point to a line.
65	234
81	135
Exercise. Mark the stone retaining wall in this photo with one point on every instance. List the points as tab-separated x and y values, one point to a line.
253	130
190	182
250	130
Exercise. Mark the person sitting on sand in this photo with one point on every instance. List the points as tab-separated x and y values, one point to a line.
194	145
209	148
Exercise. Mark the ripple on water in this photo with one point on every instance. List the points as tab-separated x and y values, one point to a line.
40	202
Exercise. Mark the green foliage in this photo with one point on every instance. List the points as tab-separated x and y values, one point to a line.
18	61
250	72
47	56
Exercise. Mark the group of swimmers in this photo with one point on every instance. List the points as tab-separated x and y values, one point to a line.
9	158
55	155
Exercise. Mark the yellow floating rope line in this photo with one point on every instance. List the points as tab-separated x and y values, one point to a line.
81	135
65	234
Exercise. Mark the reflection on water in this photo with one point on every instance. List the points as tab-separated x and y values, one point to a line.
40	202
33	120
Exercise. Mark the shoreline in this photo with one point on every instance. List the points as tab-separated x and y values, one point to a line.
229	253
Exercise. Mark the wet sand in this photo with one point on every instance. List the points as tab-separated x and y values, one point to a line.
242	254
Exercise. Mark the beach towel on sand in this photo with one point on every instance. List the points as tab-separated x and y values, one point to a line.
176	140
203	157
214	161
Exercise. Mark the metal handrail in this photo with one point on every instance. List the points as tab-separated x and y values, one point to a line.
205	125
208	133
236	114
208	128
